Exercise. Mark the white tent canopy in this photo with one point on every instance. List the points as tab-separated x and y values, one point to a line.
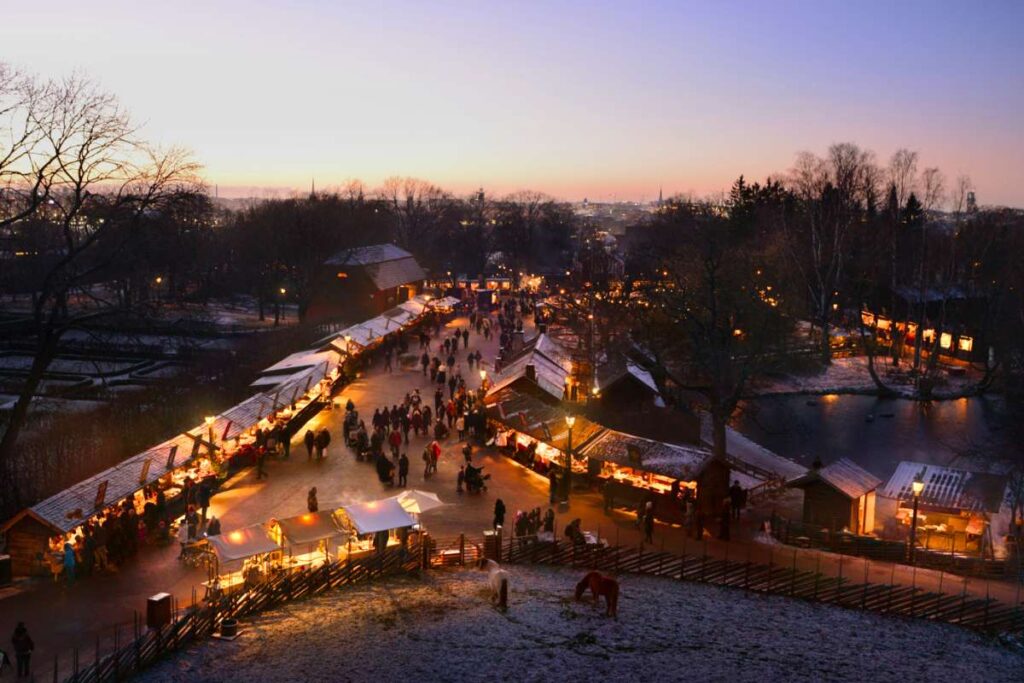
417	502
309	528
233	546
377	515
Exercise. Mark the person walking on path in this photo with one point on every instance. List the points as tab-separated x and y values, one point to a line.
425	362
737	497
460	480
549	521
395	441
649	525
261	460
69	564
499	513
465	339
204	499
403	470
323	440
387	360
310	442
467	453
23	647
460	426
312	504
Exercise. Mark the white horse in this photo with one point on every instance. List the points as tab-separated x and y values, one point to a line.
499	580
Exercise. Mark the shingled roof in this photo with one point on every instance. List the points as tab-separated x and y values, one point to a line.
843	475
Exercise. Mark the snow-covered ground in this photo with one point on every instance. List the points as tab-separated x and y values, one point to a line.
442	628
847	375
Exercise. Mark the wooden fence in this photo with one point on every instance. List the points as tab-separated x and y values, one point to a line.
815	536
203	619
981	614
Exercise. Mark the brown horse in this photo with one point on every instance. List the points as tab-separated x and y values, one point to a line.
599	585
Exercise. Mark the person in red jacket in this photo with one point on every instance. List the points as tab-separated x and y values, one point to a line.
395	441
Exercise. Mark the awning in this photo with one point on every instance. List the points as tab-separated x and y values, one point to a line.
377	515
445	302
242	543
417	502
309	528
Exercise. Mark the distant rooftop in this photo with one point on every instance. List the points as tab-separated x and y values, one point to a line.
368	255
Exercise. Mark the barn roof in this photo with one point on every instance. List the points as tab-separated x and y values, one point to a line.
843	475
540	420
370	254
615	371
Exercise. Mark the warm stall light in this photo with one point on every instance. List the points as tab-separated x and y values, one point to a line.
966	344
307	518
283	291
236	536
928	335
867	318
159	279
945	340
570	420
209	420
737	332
595	390
483	375
342	275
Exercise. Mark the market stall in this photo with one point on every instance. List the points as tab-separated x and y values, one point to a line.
416	502
373	525
309	539
634	470
245	556
955	508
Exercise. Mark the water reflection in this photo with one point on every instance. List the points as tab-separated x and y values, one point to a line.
876	433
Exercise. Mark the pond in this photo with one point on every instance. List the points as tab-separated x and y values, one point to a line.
876	433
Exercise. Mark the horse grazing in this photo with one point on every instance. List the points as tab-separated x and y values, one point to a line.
599	585
498	579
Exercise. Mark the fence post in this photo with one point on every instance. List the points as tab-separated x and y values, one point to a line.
817	572
55	675
462	550
792	575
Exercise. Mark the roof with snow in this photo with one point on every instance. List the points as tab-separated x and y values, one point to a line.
377	515
627	450
364	256
539	420
746	455
551	364
843	475
615	371
946	487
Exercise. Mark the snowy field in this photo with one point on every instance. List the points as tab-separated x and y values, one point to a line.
442	628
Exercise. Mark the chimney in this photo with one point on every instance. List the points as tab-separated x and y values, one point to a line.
816	465
531	372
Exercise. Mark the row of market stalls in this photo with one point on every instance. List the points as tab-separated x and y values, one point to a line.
289	393
527	406
249	555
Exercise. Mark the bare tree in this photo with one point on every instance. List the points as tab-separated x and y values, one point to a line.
82	176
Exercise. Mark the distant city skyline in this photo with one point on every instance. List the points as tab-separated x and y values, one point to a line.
603	100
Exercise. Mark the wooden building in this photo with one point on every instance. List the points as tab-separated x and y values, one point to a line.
362	282
840	496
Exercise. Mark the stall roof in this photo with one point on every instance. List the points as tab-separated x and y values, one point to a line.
377	515
946	487
844	476
309	528
271	381
670	460
445	302
751	457
399	315
303	360
74	505
413	307
614	371
417	502
293	389
535	418
242	543
551	374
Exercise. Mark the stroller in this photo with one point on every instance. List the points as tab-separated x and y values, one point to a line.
350	426
475	480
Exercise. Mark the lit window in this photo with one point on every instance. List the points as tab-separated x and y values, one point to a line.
945	340
966	344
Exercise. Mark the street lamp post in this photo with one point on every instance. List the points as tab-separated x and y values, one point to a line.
570	420
277	308
917	487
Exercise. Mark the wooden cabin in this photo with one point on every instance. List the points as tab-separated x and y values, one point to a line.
839	496
28	541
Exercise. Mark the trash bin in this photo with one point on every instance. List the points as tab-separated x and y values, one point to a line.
158	610
229	628
6	573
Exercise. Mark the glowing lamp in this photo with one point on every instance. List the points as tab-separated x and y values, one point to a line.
570	420
283	291
483	375
236	536
209	420
917	486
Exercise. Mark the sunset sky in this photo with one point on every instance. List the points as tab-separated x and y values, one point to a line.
606	100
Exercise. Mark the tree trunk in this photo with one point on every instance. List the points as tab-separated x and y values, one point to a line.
826	341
